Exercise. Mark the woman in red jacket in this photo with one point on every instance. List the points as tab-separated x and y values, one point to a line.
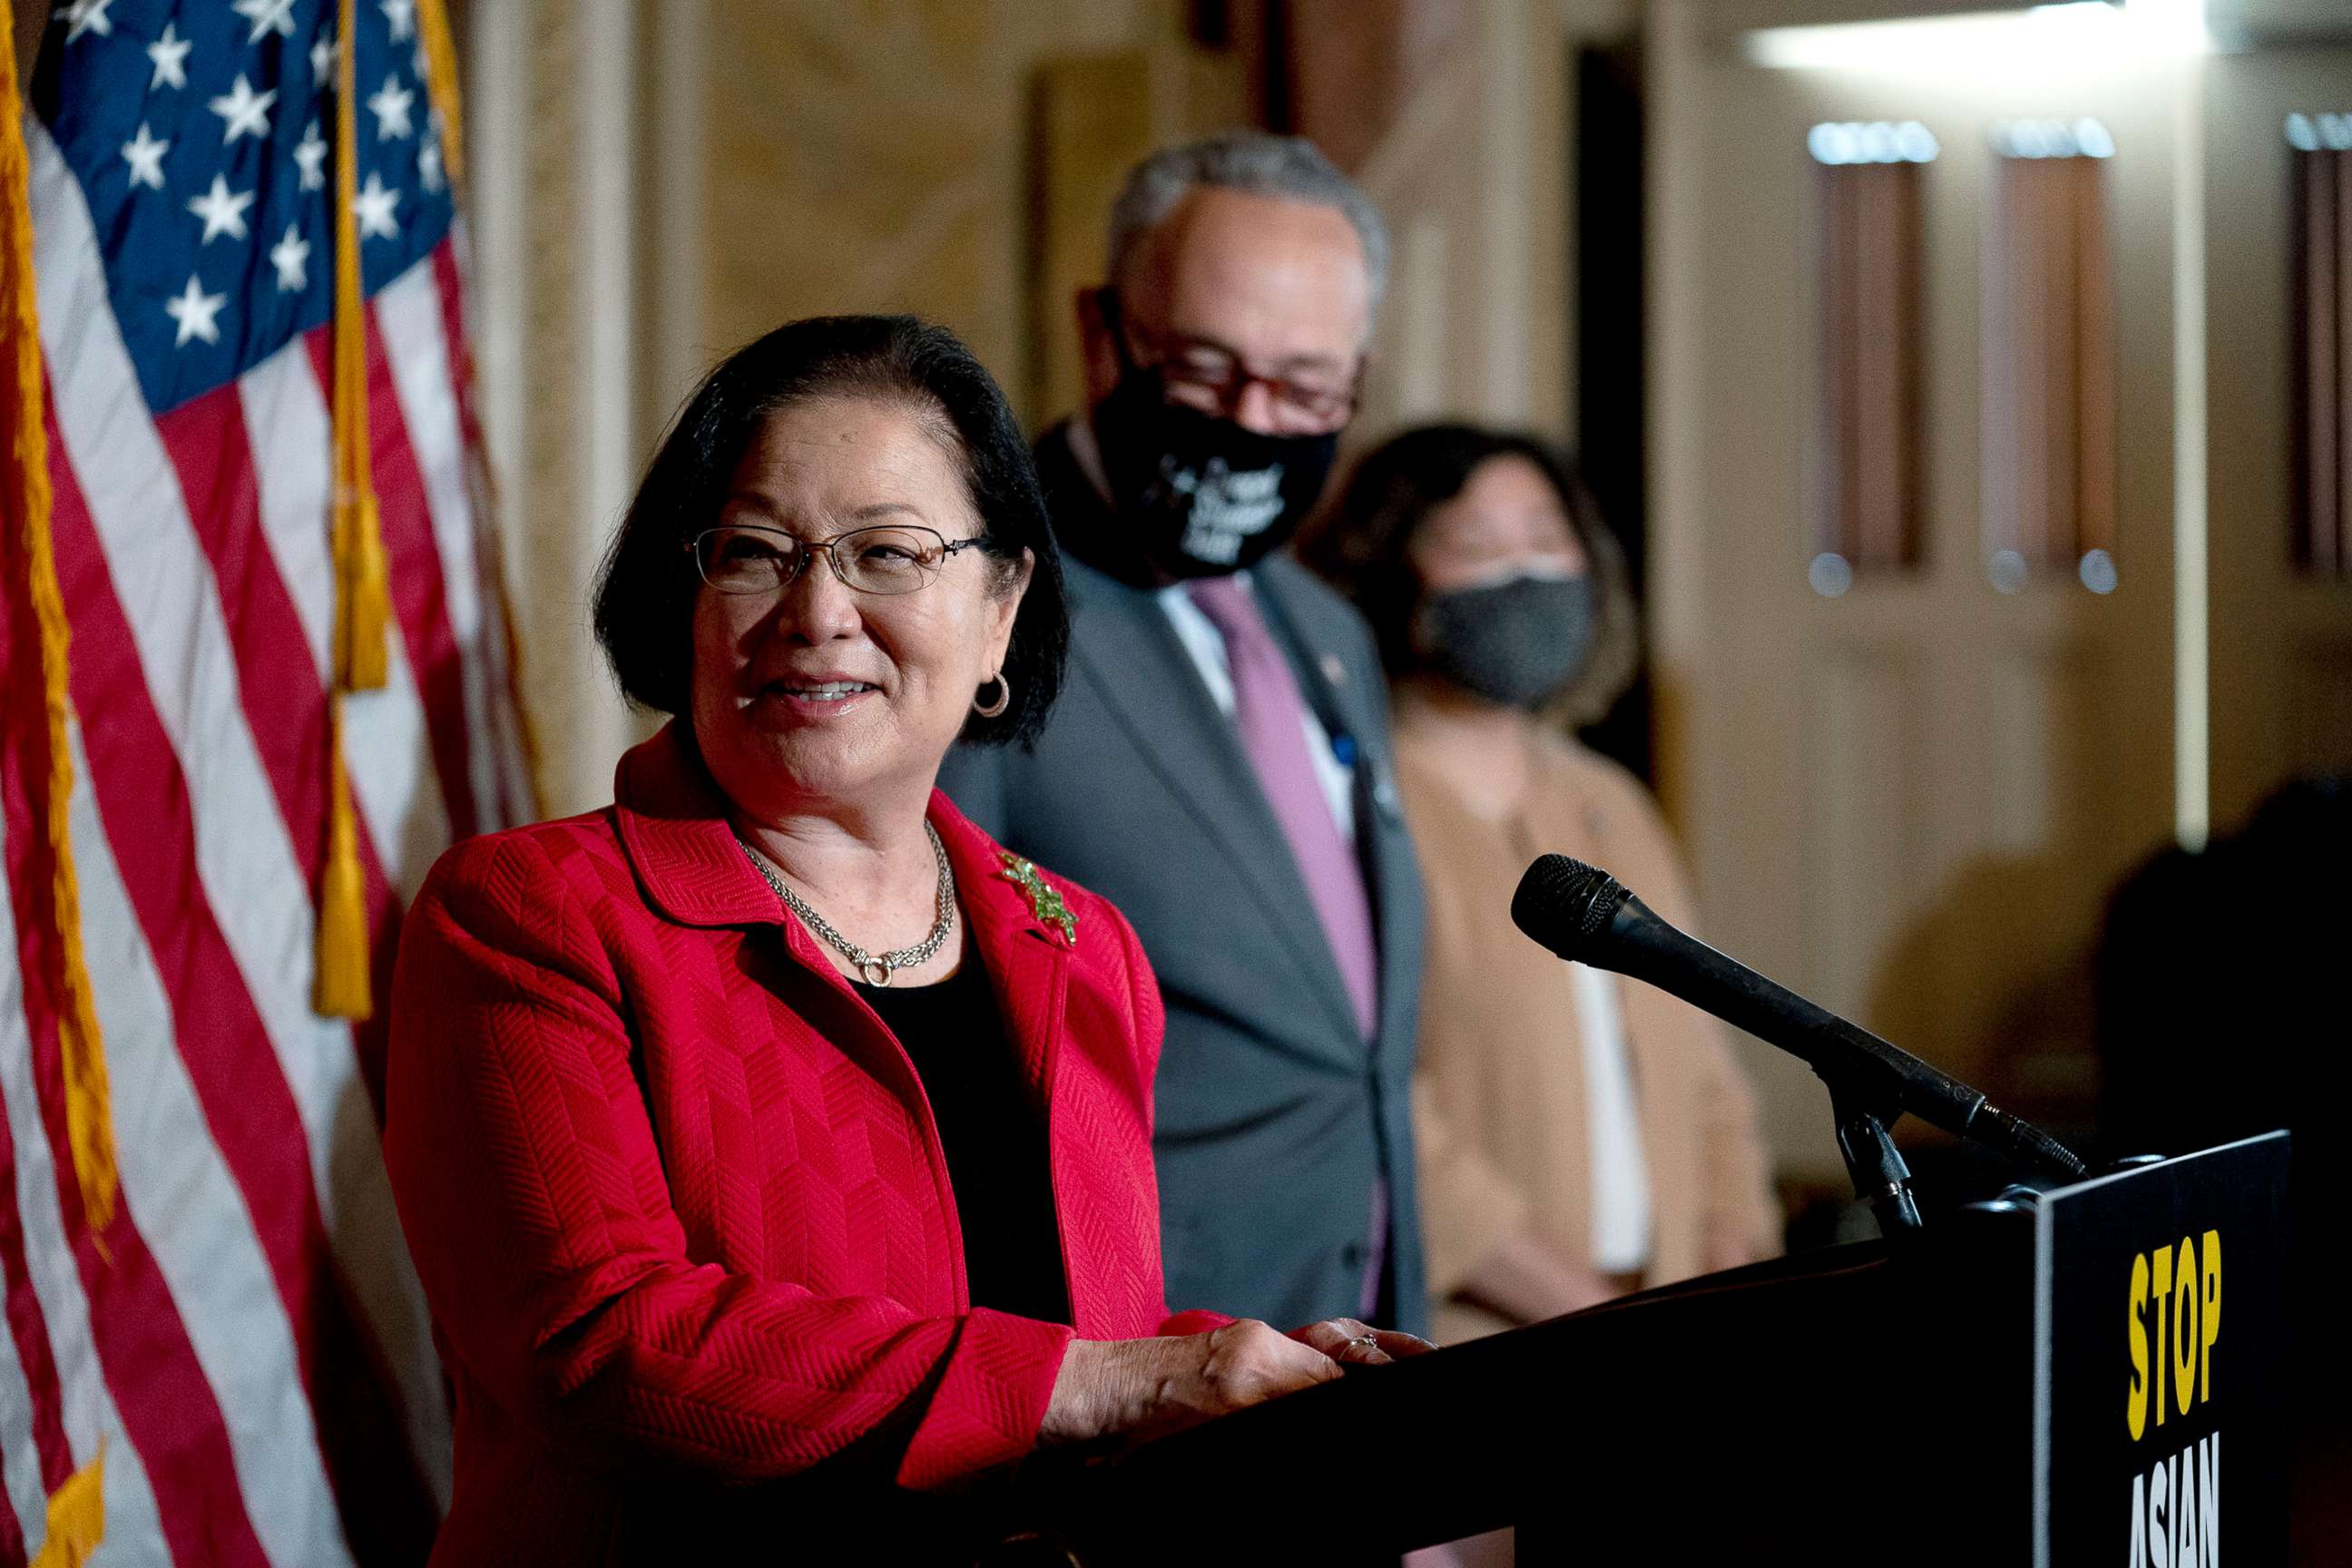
774	1149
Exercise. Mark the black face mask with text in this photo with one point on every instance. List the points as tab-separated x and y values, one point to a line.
1193	494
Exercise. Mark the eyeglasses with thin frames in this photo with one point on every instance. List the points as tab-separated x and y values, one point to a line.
1215	379
897	558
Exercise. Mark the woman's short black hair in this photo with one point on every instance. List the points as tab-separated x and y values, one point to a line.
646	587
1363	545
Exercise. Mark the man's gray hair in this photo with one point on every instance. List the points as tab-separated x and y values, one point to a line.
1290	168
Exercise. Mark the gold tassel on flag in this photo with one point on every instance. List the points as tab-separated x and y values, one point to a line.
366	601
364	606
340	987
77	1517
31	583
441	66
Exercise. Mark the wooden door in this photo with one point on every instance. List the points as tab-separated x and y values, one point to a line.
2281	634
1909	798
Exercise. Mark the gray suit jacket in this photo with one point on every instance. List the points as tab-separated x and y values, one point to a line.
1274	1119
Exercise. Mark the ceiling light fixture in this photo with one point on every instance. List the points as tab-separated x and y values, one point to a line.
2040	39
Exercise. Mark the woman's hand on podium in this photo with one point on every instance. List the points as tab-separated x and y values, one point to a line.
1353	1344
1109	1387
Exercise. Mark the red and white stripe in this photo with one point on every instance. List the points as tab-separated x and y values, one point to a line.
255	1352
56	1327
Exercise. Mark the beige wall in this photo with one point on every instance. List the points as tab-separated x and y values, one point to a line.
884	158
551	93
872	158
1473	181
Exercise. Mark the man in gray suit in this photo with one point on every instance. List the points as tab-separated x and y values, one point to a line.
1219	762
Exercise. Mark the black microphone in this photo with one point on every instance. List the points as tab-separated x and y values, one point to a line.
1584	914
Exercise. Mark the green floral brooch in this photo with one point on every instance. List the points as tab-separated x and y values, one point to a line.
1044	900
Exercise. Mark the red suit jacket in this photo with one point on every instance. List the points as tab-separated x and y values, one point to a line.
678	1201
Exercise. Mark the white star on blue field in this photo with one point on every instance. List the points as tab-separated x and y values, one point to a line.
202	135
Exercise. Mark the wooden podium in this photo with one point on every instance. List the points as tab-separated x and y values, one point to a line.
2043	1381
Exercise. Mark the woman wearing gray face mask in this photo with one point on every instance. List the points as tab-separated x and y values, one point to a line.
1579	1136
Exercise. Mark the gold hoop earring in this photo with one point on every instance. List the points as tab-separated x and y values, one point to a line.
1003	699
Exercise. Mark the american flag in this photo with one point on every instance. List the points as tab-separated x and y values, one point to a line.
238	1361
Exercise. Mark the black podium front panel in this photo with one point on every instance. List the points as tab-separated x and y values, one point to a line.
2005	1387
2160	1321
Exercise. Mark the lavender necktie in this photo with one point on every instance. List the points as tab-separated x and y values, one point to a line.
1271	715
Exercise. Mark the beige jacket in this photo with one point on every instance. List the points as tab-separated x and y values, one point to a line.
1499	1094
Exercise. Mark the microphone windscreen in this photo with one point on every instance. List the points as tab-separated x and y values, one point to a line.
1564	904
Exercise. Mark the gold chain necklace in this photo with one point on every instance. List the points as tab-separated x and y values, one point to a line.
875	968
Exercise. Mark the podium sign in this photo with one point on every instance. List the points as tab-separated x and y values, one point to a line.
2159	1306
